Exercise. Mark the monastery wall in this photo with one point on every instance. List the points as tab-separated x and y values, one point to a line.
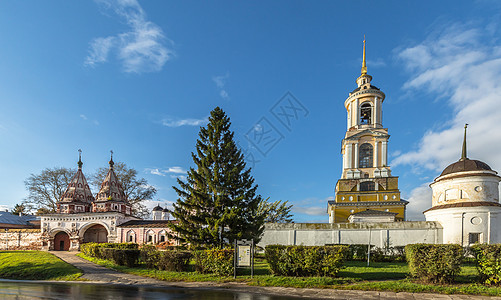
380	234
21	239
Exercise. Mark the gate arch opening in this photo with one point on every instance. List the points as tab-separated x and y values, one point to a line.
62	241
96	234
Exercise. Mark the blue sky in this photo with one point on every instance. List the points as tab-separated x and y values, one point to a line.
141	77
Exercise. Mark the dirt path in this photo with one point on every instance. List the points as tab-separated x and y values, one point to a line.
99	274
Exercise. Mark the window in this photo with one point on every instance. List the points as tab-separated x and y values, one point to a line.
131	236
150	238
162	238
365	114
365	156
367	186
473	238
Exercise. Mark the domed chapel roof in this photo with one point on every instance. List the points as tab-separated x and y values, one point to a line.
465	164
78	190
157	208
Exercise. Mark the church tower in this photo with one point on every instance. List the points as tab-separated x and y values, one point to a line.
366	182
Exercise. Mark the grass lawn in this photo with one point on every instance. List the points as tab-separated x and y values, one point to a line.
356	275
35	265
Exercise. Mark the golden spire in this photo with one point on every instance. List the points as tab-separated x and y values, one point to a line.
364	66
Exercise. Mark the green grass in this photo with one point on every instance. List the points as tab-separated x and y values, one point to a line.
355	276
35	265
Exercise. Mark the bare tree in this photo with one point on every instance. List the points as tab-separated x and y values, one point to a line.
46	188
136	189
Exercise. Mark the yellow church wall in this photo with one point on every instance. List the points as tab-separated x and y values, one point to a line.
341	214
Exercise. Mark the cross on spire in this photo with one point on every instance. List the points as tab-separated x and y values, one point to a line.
111	159
80	163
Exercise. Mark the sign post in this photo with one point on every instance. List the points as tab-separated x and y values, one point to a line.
243	256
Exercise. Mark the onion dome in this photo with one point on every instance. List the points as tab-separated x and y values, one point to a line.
165	210
157	208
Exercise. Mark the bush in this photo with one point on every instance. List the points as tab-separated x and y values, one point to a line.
488	260
174	260
124	254
434	263
217	261
150	256
305	260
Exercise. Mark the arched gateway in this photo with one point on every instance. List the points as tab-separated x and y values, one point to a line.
61	241
81	218
96	234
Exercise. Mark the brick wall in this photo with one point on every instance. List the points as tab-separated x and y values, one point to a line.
20	239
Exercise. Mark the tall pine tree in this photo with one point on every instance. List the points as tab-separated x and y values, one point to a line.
217	202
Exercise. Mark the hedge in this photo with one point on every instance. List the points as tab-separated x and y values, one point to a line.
174	260
150	256
217	261
434	263
488	260
305	260
124	254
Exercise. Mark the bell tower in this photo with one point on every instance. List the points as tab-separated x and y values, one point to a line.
366	182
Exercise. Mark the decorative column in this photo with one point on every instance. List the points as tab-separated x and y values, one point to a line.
375	112
376	154
356	156
348	125
349	165
384	153
357	111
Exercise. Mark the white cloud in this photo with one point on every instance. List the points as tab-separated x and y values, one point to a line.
419	201
85	118
311	210
220	82
141	49
461	66
178	171
379	62
155	172
99	50
169	122
312	206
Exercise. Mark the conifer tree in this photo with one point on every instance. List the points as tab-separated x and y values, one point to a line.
217	202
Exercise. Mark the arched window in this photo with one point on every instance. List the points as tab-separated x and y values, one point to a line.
365	156
367	186
365	114
131	236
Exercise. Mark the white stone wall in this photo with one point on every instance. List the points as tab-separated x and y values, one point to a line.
459	222
381	234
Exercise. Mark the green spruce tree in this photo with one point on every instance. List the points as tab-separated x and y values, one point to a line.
217	202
